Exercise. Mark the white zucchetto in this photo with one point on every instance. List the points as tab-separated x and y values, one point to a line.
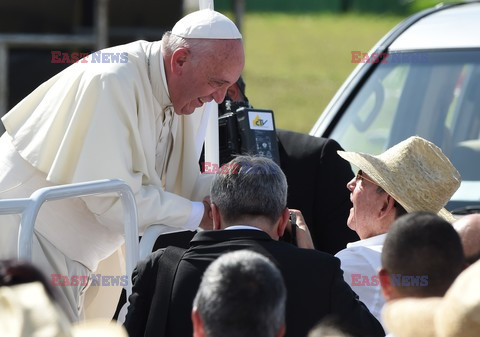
206	24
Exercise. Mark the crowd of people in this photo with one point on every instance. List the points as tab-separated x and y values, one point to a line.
413	272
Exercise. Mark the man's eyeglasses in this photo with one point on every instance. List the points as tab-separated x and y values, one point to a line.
360	177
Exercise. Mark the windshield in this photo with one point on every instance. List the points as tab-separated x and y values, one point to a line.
433	94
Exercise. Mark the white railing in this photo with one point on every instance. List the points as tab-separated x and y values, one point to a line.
29	208
150	236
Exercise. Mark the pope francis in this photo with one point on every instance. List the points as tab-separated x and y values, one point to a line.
141	120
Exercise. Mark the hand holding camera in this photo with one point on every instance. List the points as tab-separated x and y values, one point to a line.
299	231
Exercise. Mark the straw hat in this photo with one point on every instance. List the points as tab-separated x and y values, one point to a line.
27	311
415	172
456	314
206	24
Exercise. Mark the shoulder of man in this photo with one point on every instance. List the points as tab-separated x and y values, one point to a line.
359	260
149	264
307	257
359	252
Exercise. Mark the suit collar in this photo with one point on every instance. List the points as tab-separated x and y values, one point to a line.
223	235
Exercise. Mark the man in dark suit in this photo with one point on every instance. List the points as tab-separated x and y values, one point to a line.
248	200
317	177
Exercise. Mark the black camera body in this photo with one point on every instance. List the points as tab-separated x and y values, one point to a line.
246	130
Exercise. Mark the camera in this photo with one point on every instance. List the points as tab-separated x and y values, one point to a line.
291	237
246	130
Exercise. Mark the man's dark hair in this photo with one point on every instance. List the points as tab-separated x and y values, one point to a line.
422	245
13	272
249	186
242	294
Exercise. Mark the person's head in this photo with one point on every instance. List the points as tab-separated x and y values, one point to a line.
468	227
26	310
250	191
421	257
328	328
413	175
13	272
235	98
242	294
203	57
236	92
457	314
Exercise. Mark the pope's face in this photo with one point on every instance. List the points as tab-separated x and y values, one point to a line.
204	78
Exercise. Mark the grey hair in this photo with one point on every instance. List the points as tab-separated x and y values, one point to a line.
242	294
249	186
200	48
399	209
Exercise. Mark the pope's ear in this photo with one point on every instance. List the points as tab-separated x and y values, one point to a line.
179	57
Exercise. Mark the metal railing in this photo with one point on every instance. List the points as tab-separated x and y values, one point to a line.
150	236
29	208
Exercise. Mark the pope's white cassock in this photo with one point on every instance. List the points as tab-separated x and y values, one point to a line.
101	121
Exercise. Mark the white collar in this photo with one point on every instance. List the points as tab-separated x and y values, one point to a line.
372	241
157	75
243	227
164	75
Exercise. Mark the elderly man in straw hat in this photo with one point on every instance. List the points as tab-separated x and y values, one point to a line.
457	314
413	175
130	118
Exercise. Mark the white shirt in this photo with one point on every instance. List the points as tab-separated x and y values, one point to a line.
242	227
360	262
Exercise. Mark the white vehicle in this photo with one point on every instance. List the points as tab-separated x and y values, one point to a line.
422	78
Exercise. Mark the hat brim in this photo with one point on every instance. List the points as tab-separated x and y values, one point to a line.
364	162
444	213
100	328
411	317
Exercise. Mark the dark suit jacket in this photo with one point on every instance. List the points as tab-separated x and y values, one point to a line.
314	282
317	177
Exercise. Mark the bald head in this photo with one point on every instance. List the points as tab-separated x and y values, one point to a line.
468	227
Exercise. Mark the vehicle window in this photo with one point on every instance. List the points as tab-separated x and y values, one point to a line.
366	124
435	96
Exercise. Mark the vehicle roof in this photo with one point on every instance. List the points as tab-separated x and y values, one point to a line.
455	27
